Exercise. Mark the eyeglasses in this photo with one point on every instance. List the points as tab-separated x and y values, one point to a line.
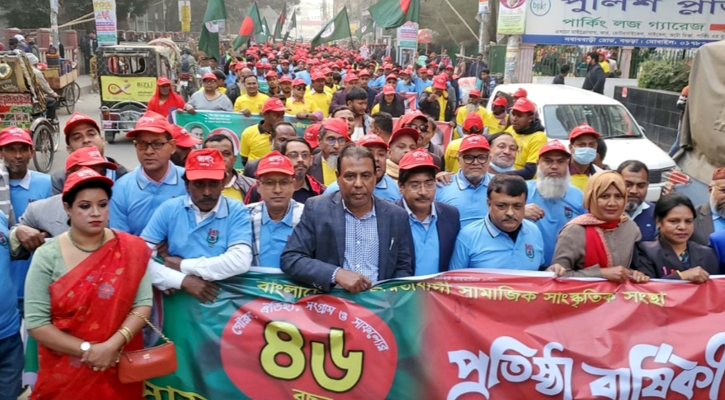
299	87
422	128
469	159
272	184
416	186
331	141
145	145
295	155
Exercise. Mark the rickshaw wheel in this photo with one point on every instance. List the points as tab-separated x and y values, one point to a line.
71	93
56	137
43	157
110	137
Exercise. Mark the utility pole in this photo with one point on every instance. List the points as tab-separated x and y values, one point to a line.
512	58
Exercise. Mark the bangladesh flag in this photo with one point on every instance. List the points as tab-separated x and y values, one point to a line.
389	14
209	39
280	23
338	28
292	25
265	34
365	29
251	25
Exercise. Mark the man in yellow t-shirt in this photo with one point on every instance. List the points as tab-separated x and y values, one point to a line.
252	101
318	95
497	119
256	142
473	106
472	125
530	137
333	136
300	107
583	147
330	86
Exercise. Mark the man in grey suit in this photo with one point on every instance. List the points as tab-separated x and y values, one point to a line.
350	238
711	215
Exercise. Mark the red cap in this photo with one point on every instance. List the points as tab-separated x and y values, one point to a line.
501	101
364	72
284	61
270	74
312	135
275	162
475	93
183	138
372	140
449	66
473	123
259	64
471	142
388	58
400	132
78	118
388	89
208	75
409	117
84	175
350	78
524	105
13	134
317	76
273	104
285	79
406	71
163	81
415	159
326	71
554	145
439	82
150	122
205	164
391	76
422	70
521	92
298	81
239	65
88	157
337	125
583	129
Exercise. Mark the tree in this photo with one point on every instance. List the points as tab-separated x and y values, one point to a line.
34	14
438	16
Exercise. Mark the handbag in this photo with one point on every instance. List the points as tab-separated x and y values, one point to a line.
140	365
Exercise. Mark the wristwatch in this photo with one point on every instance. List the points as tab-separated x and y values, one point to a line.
85	346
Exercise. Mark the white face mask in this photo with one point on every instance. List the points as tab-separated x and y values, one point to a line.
584	155
499	169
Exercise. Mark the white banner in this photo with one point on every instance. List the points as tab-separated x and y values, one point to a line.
106	28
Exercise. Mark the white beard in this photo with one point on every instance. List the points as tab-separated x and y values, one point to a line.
332	161
713	204
552	188
471	107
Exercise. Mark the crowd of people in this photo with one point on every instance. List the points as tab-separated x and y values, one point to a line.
348	203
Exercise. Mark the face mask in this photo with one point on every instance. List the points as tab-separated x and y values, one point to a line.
499	169
584	155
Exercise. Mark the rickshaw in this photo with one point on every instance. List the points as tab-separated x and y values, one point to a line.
65	85
128	75
22	104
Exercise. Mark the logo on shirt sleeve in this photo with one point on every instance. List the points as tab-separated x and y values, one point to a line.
529	251
568	212
3	240
212	236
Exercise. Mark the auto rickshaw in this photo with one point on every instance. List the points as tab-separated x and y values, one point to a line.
128	75
22	104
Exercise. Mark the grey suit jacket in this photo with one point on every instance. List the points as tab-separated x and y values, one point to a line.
316	168
46	215
317	245
703	225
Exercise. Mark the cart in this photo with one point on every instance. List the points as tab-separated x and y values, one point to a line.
66	87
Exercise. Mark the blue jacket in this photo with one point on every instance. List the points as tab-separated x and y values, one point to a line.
717	243
448	224
646	223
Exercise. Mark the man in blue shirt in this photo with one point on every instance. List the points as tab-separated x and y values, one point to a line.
208	237
553	201
405	83
26	186
636	177
422	82
467	190
273	218
504	239
140	192
385	187
11	345
434	225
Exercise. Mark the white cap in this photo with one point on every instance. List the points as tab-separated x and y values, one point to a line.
32	58
20	38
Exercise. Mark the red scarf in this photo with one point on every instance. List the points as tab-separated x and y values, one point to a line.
596	251
90	302
172	101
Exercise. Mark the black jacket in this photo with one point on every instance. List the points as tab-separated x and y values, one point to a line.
595	79
58	177
656	259
433	108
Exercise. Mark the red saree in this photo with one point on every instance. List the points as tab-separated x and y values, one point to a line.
90	302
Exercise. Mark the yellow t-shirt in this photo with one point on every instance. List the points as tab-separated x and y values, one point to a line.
233	193
605	66
294	107
253	104
494	124
323	101
255	144
332	89
442	103
462	113
451	156
580	181
529	146
328	174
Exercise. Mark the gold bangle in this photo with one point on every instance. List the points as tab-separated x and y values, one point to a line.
126	333
680	275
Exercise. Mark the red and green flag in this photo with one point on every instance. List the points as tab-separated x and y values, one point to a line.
338	28
251	25
292	25
209	39
389	14
369	27
280	23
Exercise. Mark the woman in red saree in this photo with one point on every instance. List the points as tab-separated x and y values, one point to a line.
600	243
165	98
83	286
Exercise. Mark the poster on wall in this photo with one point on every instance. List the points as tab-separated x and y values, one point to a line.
106	29
185	15
511	17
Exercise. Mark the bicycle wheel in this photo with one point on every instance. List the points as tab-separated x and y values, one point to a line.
43	157
56	137
71	96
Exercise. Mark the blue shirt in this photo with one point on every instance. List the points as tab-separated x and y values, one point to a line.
471	201
386	189
482	245
557	213
718	222
420	85
425	241
34	186
273	237
305	77
362	250
406	87
9	316
377	82
175	222
136	197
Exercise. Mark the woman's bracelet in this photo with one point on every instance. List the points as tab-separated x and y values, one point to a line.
680	275
126	333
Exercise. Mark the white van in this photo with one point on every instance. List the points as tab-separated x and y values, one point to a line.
561	108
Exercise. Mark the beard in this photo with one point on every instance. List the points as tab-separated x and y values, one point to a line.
471	107
719	208
332	161
551	187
